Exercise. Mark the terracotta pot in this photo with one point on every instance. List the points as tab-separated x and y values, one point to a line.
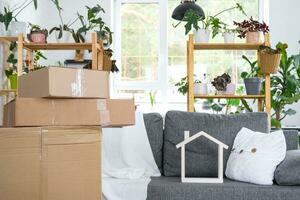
269	63
37	37
253	37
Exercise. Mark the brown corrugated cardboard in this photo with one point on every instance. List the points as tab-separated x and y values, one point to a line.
69	112
50	163
55	112
62	82
121	111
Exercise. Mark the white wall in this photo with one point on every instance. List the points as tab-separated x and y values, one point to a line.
284	25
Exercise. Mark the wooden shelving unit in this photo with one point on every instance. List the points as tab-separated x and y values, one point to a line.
191	47
95	47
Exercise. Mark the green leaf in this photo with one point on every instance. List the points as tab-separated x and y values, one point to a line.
289	112
275	123
35	3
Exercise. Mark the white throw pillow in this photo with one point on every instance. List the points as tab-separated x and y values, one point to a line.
255	155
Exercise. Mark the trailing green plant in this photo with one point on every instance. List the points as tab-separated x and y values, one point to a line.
11	14
11	60
285	86
254	69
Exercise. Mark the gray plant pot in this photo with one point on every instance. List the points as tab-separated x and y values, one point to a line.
253	85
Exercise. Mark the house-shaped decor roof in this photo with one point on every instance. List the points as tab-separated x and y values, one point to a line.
190	139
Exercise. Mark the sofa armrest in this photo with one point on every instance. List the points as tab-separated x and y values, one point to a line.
292	139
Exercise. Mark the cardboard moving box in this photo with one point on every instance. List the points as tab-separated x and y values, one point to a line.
62	82
68	112
50	163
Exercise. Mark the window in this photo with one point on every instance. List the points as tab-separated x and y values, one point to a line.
152	54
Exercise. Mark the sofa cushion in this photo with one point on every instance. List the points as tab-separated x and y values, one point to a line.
154	127
288	172
201	154
170	188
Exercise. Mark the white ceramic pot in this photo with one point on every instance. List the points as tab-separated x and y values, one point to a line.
230	90
18	28
88	36
66	37
202	36
3	31
229	37
200	88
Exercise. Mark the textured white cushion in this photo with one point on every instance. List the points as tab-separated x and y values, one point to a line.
255	155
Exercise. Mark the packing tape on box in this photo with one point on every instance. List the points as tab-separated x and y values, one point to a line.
79	86
101	104
104	117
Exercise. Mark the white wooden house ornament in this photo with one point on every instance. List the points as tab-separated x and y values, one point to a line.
187	140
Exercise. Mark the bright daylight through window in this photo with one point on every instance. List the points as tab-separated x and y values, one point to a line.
152	55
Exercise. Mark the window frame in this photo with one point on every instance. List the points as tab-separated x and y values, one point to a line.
162	83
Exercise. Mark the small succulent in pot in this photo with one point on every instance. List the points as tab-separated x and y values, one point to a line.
37	35
250	29
221	82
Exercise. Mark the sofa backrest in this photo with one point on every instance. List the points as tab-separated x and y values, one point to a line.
154	128
201	155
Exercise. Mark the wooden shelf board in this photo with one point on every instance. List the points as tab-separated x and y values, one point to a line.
230	96
226	46
8	39
6	91
59	46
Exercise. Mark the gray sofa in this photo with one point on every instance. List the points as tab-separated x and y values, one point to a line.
201	157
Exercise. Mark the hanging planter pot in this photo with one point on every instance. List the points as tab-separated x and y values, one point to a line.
269	59
269	63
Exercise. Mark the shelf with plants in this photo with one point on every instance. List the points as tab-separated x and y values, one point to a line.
263	99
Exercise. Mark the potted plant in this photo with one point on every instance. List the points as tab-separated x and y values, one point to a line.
250	29
37	35
199	88
228	34
63	31
9	18
11	72
269	58
210	25
252	82
285	86
221	83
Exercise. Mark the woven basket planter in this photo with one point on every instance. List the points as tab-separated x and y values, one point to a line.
269	62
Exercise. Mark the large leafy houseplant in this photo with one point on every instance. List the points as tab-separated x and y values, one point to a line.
11	14
285	86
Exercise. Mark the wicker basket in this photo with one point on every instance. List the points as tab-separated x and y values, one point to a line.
269	62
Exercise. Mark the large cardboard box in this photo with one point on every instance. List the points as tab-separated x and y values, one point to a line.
69	112
62	82
121	112
55	112
50	163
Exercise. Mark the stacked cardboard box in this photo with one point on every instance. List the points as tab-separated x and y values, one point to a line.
51	147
